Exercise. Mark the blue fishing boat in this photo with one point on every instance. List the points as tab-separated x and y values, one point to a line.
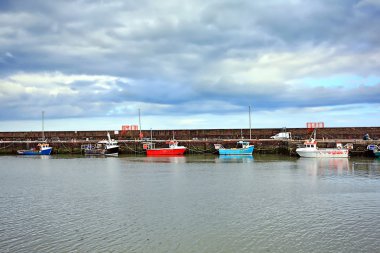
243	148
375	149
41	149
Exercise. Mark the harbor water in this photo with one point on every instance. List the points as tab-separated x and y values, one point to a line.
189	204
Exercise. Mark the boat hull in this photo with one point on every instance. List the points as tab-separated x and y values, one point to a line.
237	151
377	153
114	151
165	151
330	153
46	151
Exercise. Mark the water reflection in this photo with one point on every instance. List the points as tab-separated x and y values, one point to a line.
367	168
234	159
37	157
325	166
99	156
340	167
143	204
163	159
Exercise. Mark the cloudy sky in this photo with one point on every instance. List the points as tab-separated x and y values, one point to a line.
91	65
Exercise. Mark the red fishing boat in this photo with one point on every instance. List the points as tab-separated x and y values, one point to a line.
173	149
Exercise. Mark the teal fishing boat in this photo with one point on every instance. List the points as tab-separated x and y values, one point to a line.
243	148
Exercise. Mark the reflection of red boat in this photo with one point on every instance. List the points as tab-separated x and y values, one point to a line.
173	149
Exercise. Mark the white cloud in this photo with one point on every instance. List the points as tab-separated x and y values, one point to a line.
58	78
369	3
185	58
9	55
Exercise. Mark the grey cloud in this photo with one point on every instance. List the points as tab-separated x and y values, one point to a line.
167	48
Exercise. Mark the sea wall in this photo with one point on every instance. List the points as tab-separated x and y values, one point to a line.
195	134
197	141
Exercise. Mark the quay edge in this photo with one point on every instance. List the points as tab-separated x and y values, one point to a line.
198	141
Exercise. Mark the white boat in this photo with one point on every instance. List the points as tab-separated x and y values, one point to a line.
104	147
311	150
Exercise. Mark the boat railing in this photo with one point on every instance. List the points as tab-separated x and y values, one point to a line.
373	147
349	146
149	145
87	146
218	146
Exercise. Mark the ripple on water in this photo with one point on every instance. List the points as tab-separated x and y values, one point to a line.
188	205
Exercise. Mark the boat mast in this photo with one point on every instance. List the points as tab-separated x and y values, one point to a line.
43	131
140	122
250	130
313	133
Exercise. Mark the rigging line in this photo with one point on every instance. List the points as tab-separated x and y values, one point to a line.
136	151
194	148
7	146
70	148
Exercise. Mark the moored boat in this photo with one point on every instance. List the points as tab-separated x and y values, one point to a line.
375	149
173	149
104	147
40	149
243	148
311	150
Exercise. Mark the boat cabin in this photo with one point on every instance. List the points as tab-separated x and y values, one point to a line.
149	145
310	144
172	143
42	146
243	144
218	146
373	147
240	144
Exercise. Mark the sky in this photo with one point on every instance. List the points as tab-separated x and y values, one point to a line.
93	64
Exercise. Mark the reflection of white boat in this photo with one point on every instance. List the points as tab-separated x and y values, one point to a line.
323	166
104	147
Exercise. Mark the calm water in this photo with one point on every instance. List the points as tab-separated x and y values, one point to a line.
189	204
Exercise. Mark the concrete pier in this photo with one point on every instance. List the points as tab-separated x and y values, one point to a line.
195	134
262	146
197	140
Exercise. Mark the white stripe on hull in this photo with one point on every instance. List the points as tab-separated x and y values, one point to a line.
338	153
